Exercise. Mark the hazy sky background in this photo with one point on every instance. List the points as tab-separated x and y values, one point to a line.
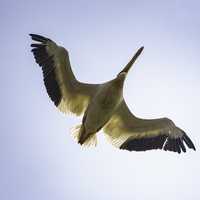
39	158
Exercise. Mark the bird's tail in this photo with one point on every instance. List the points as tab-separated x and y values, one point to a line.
77	133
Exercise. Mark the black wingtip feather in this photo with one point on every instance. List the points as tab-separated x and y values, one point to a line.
39	38
180	143
188	141
46	61
158	142
178	147
38	45
176	144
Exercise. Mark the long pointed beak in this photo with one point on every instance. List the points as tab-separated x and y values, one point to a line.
129	65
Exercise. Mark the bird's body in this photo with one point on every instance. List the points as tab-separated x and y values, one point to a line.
103	105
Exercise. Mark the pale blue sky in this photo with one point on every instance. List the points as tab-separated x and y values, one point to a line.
39	158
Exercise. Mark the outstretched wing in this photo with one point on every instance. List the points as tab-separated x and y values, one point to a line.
65	91
126	131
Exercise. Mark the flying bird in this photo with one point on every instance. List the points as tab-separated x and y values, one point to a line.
102	105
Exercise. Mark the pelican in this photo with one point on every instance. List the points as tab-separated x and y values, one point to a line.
102	105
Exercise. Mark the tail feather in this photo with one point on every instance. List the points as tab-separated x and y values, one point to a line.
77	132
91	141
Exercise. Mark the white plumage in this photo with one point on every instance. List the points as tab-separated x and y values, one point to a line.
103	105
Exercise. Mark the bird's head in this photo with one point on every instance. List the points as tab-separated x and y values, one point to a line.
126	69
